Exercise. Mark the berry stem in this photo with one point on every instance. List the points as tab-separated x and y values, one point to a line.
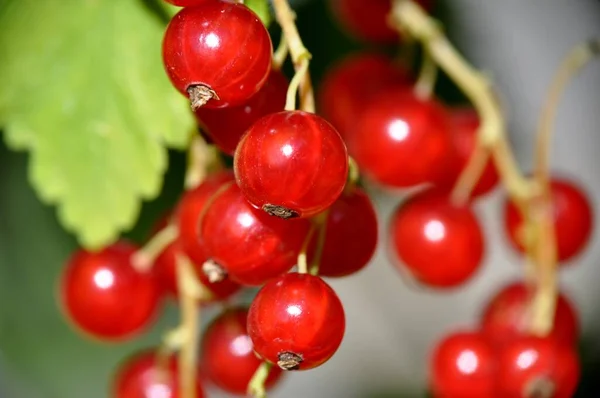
256	387
144	258
190	318
171	342
411	18
320	223
286	18
290	100
470	175
427	76
302	256
202	158
280	53
353	175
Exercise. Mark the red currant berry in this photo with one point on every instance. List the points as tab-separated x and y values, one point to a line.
104	296
291	164
507	316
141	376
402	141
354	82
187	3
190	210
247	244
218	53
165	267
538	367
350	235
228	354
463	366
296	321
440	243
573	219
466	123
368	20
226	126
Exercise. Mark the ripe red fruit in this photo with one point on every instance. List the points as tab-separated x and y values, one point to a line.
220	45
189	211
463	366
538	367
465	122
250	245
573	219
296	321
350	235
506	317
440	243
228	357
368	20
402	141
104	296
291	164
165	268
140	376
354	82
226	126
187	3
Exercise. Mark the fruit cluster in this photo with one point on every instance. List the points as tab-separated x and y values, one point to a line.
292	212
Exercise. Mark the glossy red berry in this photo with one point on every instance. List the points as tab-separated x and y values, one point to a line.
350	235
247	243
105	297
228	357
291	164
354	82
368	20
507	316
220	46
538	367
189	211
141	376
187	3
465	122
573	218
165	268
440	243
402	141
296	321
464	365
226	126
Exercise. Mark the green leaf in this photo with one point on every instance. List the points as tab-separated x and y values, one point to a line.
262	9
82	87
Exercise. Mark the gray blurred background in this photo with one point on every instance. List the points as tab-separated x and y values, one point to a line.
390	327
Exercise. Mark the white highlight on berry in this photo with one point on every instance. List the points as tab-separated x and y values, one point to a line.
467	362
435	230
212	40
159	391
399	130
287	150
104	278
245	220
241	345
527	358
294	310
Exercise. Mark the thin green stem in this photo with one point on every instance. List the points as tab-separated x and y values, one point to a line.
256	387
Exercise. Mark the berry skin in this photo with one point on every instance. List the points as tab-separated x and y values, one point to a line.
538	367
165	268
296	321
226	126
350	235
228	358
441	244
187	3
466	122
190	210
368	20
141	377
291	164
573	219
250	245
220	45
506	316
463	366
105	297
402	141
354	82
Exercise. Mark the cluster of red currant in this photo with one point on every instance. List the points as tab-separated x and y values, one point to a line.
294	200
